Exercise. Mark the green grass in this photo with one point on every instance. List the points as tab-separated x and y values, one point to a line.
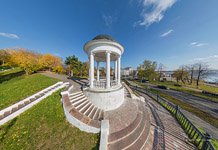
44	127
3	67
15	70
190	91
202	86
214	141
21	87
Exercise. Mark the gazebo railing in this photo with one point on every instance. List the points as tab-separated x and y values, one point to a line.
102	84
113	83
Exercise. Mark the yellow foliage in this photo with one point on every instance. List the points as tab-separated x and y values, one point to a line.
27	60
50	62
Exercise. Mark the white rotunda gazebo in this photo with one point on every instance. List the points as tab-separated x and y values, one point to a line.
107	92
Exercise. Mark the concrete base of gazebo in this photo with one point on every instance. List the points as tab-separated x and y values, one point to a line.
107	99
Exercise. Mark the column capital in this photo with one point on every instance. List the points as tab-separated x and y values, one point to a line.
91	53
117	56
107	52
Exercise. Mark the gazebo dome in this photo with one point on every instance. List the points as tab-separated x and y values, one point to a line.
104	37
102	43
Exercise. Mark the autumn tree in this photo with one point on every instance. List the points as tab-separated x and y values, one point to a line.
5	56
27	60
50	62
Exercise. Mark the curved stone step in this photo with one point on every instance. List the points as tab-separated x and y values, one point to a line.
95	117
120	134
76	102
82	121
142	139
130	137
76	96
75	93
80	105
83	109
93	113
88	111
81	112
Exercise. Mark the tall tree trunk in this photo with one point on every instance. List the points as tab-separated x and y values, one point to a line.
199	73
192	72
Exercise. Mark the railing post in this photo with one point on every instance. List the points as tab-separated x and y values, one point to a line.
177	109
207	137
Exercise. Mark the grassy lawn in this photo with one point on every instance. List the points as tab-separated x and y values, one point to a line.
214	141
10	71
21	87
44	127
190	91
2	67
202	86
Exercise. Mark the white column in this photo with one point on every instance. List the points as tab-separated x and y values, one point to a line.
115	70
91	70
118	69
97	70
108	69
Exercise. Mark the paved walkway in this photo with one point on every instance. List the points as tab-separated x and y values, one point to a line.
64	78
167	132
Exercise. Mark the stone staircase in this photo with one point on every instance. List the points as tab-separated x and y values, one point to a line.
135	135
21	106
81	109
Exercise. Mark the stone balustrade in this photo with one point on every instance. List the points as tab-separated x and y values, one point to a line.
102	84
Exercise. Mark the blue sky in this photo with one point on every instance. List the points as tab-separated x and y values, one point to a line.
172	32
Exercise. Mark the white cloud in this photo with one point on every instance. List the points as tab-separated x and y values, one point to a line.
108	20
9	35
198	44
153	11
207	59
167	33
211	60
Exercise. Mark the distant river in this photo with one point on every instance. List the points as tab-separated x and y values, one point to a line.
212	76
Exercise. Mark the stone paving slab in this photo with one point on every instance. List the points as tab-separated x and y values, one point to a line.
123	116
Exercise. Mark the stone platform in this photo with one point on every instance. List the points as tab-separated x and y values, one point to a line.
106	99
129	126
